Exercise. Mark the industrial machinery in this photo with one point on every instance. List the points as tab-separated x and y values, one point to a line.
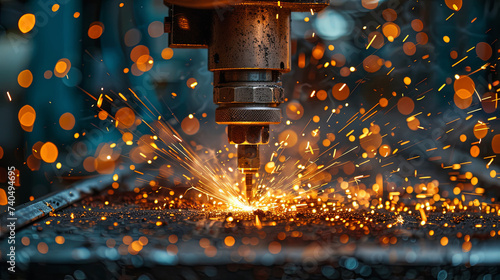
248	50
394	178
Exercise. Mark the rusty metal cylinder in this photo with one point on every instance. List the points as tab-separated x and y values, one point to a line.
250	37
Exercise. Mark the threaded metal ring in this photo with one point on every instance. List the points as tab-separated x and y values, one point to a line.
248	115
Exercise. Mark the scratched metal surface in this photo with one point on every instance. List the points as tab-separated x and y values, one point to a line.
190	244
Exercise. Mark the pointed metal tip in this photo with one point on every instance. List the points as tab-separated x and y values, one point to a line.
249	185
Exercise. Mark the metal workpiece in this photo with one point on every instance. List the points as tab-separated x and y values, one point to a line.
87	247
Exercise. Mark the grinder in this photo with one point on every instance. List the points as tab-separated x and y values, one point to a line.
249	48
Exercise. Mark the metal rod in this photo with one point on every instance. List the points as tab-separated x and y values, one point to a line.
31	211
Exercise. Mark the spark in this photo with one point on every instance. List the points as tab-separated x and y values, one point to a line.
122	96
349	122
475	110
459	61
8	95
489	163
258	224
371	41
99	101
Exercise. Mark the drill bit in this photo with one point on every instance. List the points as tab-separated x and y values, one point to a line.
249	185
248	164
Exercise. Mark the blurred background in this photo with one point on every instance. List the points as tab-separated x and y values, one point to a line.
425	72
